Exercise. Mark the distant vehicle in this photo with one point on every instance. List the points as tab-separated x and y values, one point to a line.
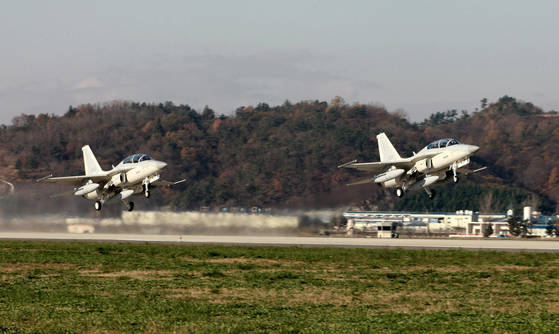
436	163
135	175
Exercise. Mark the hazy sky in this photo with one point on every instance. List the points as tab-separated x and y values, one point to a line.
421	56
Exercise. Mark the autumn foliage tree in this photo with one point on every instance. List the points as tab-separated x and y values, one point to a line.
286	155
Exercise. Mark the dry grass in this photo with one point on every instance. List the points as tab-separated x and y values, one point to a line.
133	274
19	266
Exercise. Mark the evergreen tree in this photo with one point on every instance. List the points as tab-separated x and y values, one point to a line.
515	225
550	229
488	231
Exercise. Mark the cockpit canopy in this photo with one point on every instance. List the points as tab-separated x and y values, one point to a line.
136	158
441	143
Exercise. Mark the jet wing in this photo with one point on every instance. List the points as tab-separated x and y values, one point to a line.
376	166
167	183
74	180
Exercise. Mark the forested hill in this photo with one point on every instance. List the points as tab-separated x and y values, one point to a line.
286	156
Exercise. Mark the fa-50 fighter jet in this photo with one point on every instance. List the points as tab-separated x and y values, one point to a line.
437	162
132	176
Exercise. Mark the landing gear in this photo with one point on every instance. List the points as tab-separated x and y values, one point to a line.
430	192
454	173
97	205
130	206
399	192
146	190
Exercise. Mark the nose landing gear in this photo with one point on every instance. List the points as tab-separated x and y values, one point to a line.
146	190
455	178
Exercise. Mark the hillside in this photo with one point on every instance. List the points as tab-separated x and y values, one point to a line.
286	156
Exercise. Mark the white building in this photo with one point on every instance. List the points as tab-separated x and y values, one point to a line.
462	223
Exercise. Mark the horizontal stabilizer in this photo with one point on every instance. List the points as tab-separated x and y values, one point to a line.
44	178
365	181
66	193
347	164
468	172
167	183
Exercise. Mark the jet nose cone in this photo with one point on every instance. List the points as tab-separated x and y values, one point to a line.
161	164
474	148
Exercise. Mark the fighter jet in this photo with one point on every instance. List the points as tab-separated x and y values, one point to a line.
436	163
135	175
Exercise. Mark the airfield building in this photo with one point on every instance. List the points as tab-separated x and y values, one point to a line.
462	223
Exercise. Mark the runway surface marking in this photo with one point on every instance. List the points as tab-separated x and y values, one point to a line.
487	244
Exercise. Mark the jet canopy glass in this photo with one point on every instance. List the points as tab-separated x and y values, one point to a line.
441	143
136	158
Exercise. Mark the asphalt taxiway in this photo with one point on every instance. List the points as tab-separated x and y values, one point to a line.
471	244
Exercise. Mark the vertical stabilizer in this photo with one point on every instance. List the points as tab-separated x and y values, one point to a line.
386	151
90	163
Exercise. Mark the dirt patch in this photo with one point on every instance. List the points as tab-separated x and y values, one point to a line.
243	260
134	274
12	267
263	296
510	268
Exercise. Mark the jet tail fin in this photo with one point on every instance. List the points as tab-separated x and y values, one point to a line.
90	163
386	151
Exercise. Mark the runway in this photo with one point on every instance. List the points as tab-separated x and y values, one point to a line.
481	244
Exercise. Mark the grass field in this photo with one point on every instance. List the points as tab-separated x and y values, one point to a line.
113	287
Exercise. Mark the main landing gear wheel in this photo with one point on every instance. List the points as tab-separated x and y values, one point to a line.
399	192
456	179
130	206
97	205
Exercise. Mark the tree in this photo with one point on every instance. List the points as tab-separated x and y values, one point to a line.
550	229
208	113
515	227
483	103
22	120
442	117
488	231
519	227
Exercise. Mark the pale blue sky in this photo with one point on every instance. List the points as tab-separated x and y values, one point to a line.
421	56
